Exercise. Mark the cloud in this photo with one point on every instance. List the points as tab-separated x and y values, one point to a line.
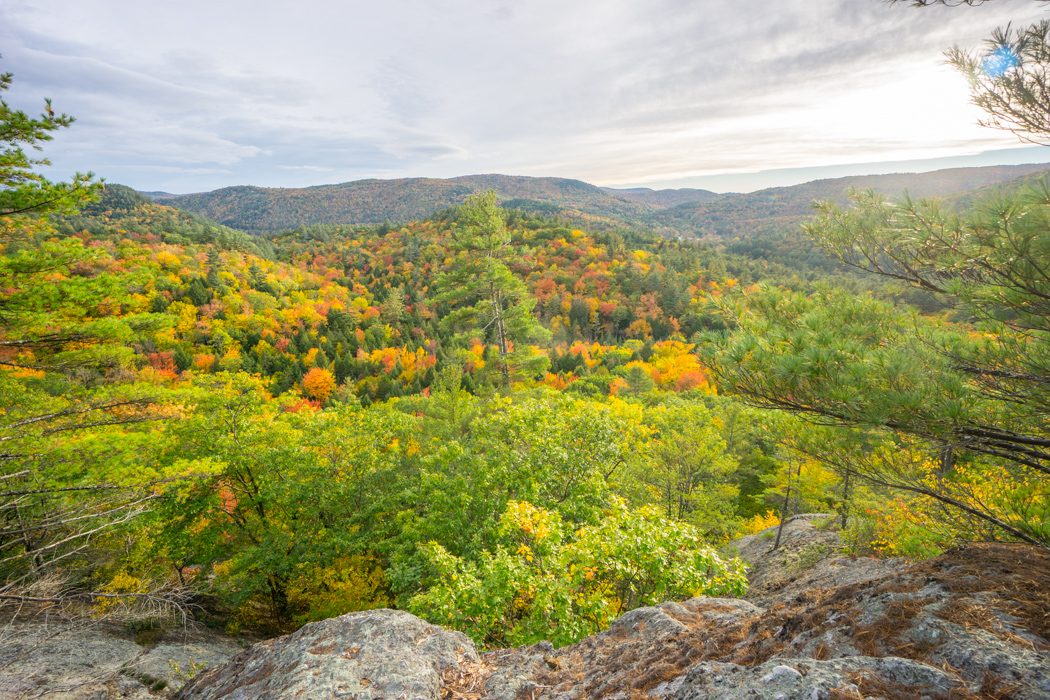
196	95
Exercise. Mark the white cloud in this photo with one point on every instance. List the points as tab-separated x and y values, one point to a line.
195	95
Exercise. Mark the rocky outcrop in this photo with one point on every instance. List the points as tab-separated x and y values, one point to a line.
806	680
972	623
809	557
60	660
374	654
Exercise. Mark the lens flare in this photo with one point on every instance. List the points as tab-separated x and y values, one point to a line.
999	62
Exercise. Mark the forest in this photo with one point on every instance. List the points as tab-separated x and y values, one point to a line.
503	421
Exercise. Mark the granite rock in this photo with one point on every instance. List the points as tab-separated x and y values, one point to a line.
377	654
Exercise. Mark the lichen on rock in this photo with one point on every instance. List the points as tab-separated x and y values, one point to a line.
378	654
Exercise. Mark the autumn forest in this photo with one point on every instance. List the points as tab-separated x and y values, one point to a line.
520	413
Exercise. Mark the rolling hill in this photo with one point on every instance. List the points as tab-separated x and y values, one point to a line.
258	209
786	207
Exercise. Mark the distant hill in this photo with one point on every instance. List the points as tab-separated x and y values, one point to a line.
788	206
961	201
259	209
665	198
687	211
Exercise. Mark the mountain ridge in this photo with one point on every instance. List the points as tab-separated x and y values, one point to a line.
372	201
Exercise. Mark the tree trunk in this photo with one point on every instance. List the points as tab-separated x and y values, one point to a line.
783	509
501	335
846	494
947	459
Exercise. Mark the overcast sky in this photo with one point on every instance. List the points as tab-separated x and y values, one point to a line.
189	96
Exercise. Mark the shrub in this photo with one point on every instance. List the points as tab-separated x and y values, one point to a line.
547	582
760	522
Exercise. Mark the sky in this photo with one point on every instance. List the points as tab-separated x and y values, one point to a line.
729	95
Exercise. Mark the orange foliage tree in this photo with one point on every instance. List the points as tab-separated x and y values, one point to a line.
319	384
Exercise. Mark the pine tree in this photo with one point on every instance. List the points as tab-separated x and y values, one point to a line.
486	295
394	306
68	344
24	192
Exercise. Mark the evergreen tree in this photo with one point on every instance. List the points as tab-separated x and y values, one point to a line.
183	359
24	192
487	296
976	400
198	293
394	306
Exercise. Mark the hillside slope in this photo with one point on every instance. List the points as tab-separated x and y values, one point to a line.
787	207
665	198
962	201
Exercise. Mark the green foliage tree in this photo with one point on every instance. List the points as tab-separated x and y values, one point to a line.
1008	77
275	496
1009	80
639	380
487	295
970	405
993	264
74	430
560	452
394	306
863	365
688	475
555	451
752	437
